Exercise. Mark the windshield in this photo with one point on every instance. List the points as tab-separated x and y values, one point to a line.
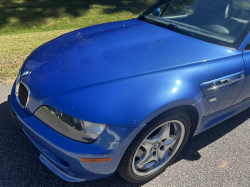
222	22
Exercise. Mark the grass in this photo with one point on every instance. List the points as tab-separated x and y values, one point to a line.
25	16
26	24
15	49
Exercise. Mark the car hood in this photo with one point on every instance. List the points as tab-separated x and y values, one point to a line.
109	52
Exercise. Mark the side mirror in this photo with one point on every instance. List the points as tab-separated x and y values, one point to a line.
157	12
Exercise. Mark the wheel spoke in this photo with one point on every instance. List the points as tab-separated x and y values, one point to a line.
156	137
170	142
174	136
147	147
165	132
160	154
147	159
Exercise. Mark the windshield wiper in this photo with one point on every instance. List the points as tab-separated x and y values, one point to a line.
173	27
143	17
176	28
168	26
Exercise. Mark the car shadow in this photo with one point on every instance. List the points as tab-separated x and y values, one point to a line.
20	164
190	151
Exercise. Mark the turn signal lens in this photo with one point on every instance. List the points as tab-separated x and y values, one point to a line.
96	160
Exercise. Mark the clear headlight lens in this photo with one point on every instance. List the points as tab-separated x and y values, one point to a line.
71	127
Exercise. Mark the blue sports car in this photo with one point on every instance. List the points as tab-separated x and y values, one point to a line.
126	96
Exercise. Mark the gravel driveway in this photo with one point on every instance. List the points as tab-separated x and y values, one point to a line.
218	157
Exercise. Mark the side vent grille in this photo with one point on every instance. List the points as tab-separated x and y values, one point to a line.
23	95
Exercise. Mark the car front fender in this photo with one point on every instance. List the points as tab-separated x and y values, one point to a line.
130	101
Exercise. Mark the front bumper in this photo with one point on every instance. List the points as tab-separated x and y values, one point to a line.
62	155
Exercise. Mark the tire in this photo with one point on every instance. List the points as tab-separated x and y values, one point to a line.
149	154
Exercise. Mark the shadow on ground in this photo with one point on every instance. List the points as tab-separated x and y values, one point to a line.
26	11
190	152
20	164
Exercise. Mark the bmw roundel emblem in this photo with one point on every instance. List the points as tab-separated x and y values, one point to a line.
26	73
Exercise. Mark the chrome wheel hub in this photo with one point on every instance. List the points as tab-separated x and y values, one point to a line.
158	148
157	145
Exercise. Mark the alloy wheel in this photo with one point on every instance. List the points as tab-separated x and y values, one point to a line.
158	147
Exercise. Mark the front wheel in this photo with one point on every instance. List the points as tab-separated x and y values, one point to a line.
155	147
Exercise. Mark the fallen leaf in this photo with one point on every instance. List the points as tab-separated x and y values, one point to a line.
225	164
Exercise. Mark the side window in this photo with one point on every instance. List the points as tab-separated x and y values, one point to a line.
247	48
241	4
241	10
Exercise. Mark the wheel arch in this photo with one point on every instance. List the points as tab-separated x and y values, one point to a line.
191	111
194	112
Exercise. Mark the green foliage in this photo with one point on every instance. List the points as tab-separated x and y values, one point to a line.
24	16
178	6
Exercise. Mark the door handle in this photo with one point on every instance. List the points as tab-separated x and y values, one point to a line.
224	83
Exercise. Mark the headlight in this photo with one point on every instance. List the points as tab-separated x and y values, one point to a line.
71	127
